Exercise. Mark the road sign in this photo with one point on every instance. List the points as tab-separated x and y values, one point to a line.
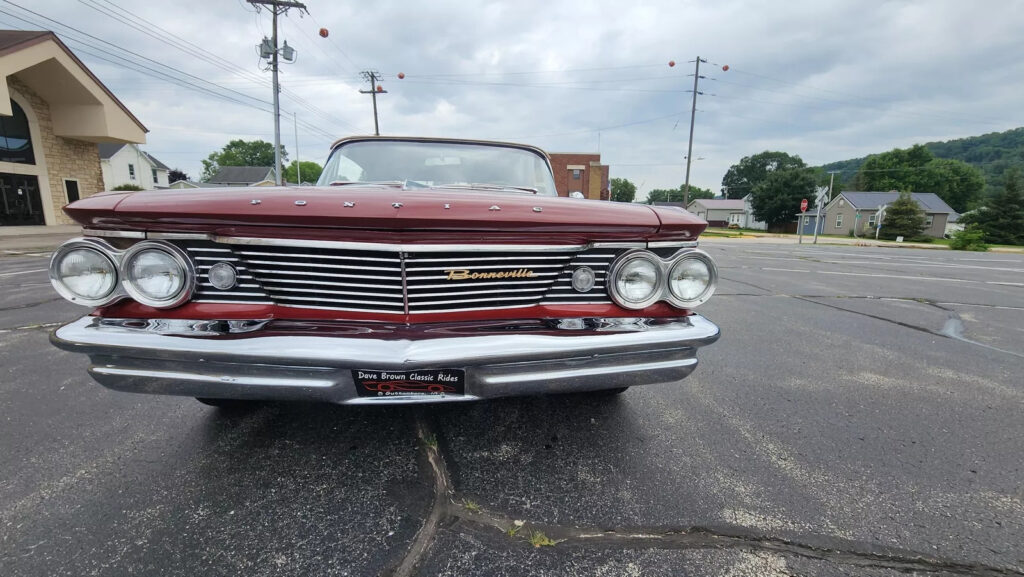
803	205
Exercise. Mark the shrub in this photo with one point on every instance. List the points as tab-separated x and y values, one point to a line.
134	187
970	238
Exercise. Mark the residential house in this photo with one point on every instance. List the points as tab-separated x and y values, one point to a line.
242	176
128	164
719	212
580	172
807	220
749	220
856	211
53	112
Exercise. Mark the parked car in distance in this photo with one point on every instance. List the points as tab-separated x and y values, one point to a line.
444	270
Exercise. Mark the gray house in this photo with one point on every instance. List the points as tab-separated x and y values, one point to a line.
853	210
718	212
243	176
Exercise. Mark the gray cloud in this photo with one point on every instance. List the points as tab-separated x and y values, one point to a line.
825	80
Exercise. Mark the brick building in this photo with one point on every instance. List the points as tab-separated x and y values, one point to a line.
53	112
581	172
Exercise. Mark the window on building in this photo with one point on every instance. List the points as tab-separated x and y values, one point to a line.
71	189
929	219
871	220
576	173
839	220
131	171
15	140
155	179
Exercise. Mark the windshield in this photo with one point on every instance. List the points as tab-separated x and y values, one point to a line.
439	164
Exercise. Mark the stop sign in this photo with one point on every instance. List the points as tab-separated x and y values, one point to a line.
803	205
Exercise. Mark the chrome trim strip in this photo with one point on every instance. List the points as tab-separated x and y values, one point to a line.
323	256
244	381
326	283
618	245
114	233
408	248
479	284
319	265
328	300
326	274
673	244
178	236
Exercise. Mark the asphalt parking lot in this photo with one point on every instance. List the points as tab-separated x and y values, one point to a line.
861	415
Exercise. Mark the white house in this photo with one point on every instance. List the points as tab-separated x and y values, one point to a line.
129	164
718	211
749	221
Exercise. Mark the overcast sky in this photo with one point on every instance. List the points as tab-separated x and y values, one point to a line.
823	80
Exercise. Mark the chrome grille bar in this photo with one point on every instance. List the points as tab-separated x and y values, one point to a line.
373	278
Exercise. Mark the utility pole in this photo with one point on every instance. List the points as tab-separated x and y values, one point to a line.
689	149
298	163
372	76
276	7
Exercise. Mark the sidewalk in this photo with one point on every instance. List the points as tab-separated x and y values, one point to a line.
18	239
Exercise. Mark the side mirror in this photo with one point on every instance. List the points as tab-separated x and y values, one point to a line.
576	194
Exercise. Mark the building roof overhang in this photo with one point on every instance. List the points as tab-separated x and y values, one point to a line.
81	107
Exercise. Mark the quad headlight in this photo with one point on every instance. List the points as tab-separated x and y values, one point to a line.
157	274
640	279
82	273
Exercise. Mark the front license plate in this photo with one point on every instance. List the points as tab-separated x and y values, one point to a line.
425	383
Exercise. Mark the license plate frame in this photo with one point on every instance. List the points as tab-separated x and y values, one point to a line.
379	383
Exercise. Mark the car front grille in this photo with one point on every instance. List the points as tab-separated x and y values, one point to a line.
389	281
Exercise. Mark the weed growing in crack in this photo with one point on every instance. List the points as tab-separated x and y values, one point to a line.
539	539
430	440
471	506
514	528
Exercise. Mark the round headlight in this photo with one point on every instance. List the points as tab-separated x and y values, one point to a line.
84	275
636	281
156	276
691	280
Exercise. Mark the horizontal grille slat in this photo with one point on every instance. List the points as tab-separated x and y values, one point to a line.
388	281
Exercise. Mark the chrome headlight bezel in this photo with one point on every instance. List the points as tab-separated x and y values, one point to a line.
663	291
179	258
617	267
97	247
709	290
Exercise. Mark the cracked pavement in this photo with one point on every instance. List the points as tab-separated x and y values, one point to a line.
861	415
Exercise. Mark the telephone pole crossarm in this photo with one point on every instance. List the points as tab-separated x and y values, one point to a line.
372	76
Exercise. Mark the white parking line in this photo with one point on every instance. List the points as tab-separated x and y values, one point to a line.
785	269
23	272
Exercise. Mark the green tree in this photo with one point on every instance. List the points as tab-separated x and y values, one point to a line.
242	153
676	194
176	174
776	198
623	190
916	169
742	178
1001	217
310	171
903	218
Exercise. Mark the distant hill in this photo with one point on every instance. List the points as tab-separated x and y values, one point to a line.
993	153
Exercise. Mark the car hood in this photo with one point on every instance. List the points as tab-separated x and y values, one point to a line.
380	208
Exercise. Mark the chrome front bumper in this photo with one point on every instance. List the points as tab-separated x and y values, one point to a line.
297	360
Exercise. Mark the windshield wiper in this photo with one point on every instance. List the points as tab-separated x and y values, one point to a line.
528	189
378	182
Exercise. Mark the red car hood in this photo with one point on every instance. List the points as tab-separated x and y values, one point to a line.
339	211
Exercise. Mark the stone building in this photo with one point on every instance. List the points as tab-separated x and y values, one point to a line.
53	112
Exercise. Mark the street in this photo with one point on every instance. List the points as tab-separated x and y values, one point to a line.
860	415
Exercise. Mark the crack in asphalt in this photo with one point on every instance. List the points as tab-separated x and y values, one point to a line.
30	305
446	511
953	329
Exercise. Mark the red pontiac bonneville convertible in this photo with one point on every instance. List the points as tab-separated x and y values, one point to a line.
449	265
